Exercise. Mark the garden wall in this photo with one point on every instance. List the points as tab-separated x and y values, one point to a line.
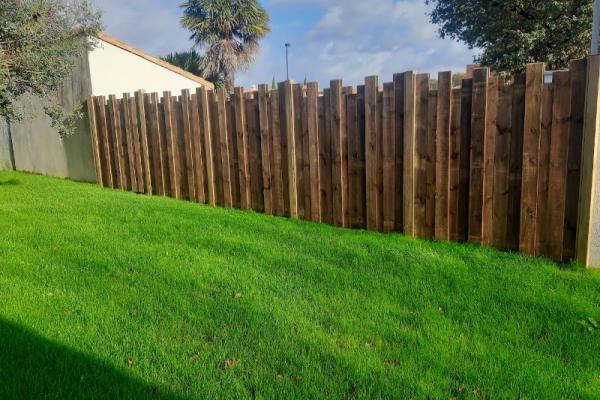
495	161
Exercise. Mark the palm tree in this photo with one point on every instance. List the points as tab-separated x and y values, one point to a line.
191	61
228	31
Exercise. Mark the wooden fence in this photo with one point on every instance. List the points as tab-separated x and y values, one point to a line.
495	161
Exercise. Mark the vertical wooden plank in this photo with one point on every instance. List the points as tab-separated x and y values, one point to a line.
298	131
224	147
430	159
409	138
206	141
188	144
542	225
155	139
578	71
265	145
137	146
96	149
516	163
389	157
325	156
290	135
233	153
104	140
346	91
197	156
276	161
487	211
306	158
531	146
171	133
216	144
242	146
118	151
559	147
336	152
144	147
182	167
283	138
399	156
501	165
478	129
444	116
128	128
254	152
164	153
312	123
454	164
356	172
371	151
379	159
420	162
464	180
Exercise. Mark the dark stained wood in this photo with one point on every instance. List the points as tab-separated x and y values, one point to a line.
181	148
233	153
144	144
371	152
164	154
188	144
487	211
337	131
464	179
578	70
325	157
276	161
478	129
297	92
265	145
430	165
153	123
224	148
408	181
128	129
442	156
531	145
286	112
312	123
454	164
542	225
242	147
198	159
137	144
501	165
399	148
389	158
559	147
420	162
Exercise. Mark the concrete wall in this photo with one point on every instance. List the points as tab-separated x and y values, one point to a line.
117	71
37	145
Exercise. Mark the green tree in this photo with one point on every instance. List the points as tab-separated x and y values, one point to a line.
512	33
39	42
192	62
228	31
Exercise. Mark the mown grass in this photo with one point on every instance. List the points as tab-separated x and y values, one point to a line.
106	294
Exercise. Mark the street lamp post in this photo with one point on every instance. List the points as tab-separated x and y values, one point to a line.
287	64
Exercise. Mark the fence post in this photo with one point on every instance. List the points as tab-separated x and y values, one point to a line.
288	101
588	227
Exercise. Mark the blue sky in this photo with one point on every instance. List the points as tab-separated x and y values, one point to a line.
331	39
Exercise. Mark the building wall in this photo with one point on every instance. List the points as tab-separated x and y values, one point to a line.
37	146
117	71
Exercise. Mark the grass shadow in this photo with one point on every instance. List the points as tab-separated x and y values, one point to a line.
33	367
10	182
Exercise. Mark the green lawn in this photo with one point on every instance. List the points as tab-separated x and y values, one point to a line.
106	294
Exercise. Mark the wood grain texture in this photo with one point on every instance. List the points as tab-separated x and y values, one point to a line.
312	122
96	146
442	160
487	211
389	158
464	180
371	152
409	138
277	167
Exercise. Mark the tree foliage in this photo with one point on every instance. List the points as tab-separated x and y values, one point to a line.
39	42
512	33
228	31
192	62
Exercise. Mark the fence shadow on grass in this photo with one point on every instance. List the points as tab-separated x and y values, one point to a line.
10	182
33	367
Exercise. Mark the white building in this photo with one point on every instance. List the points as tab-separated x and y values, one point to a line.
111	67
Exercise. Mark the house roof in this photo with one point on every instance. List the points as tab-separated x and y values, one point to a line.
122	45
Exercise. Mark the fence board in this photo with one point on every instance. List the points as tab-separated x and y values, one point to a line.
118	152
454	164
487	211
325	157
234	175
151	107
478	128
128	128
297	92
466	98
182	168
389	158
164	154
442	161
399	151
96	149
144	146
255	153
408	182
516	163
265	145
501	165
312	123
277	170
225	167
371	152
197	156
430	162
104	140
242	147
420	154
543	171
137	144
188	147
578	86
559	145
531	144
336	152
